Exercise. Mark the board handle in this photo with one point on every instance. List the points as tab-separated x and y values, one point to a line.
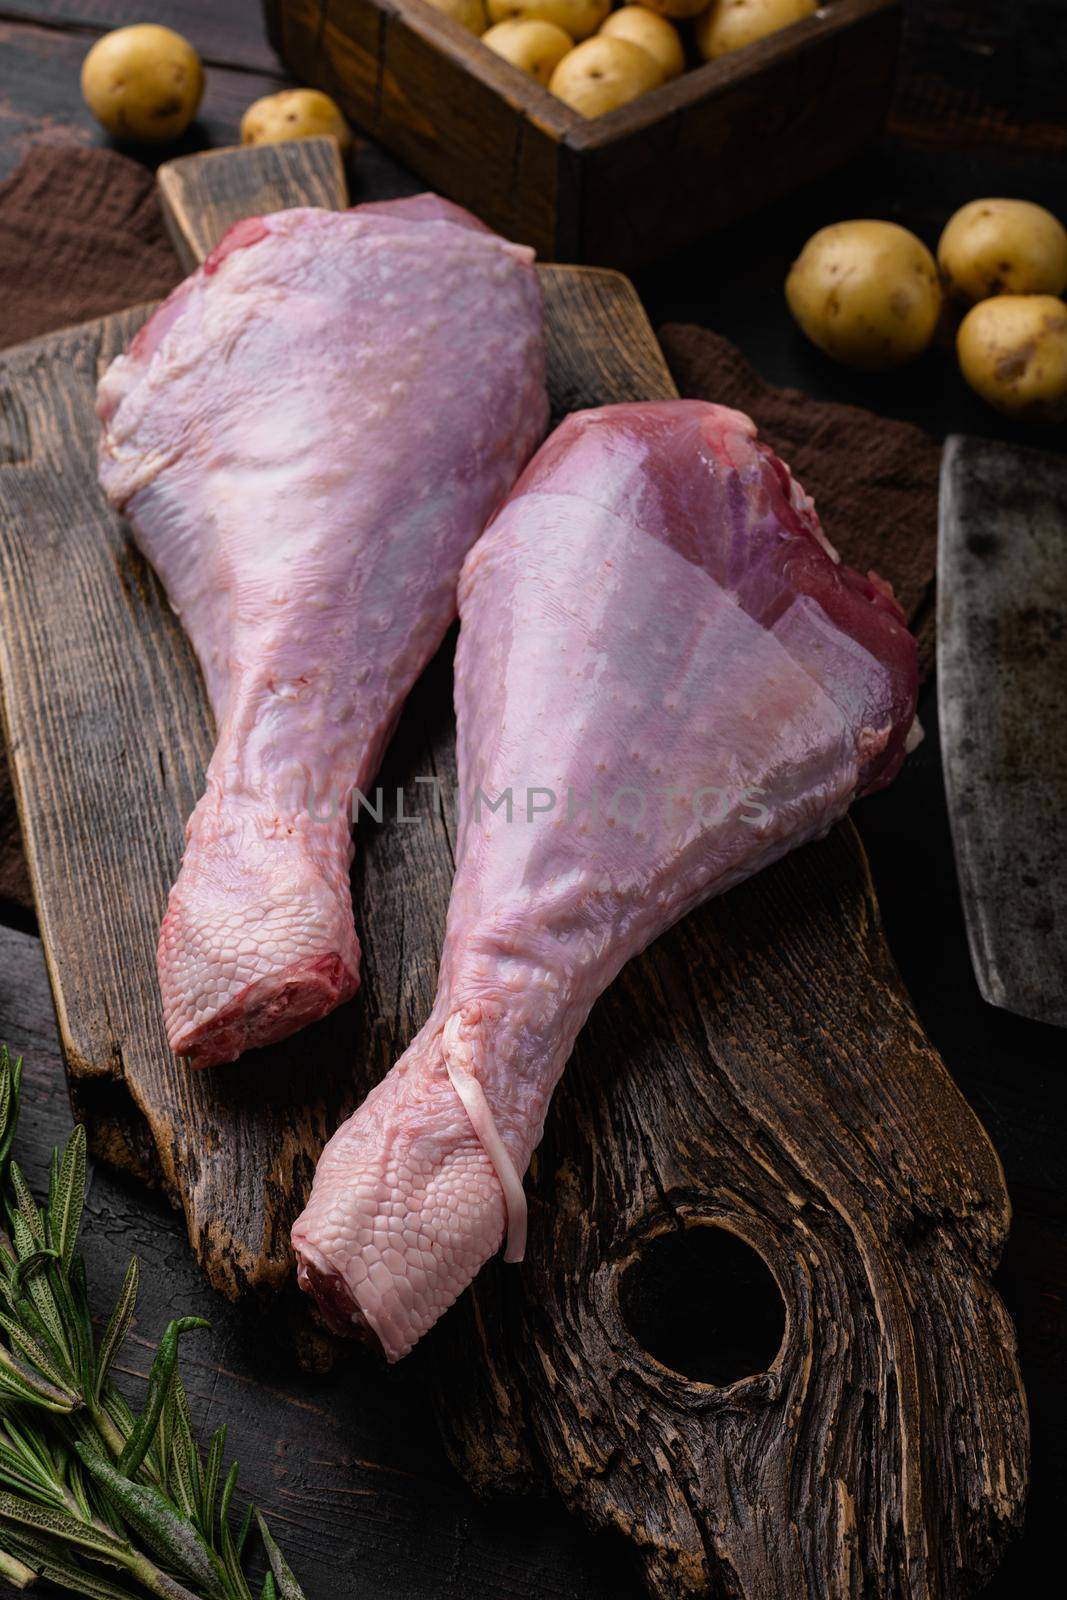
599	341
205	194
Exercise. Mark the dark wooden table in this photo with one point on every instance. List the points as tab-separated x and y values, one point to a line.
348	1466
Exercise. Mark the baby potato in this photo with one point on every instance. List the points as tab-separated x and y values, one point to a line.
729	25
1013	352
603	74
1002	247
867	293
469	14
579	18
143	83
537	47
672	8
294	114
650	31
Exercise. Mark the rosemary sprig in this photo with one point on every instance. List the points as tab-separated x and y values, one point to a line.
94	1499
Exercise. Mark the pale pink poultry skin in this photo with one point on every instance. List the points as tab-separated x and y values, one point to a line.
654	607
307	438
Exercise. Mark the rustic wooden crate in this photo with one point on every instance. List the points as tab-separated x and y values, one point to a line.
618	190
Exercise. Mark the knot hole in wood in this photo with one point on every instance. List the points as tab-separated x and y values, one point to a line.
702	1301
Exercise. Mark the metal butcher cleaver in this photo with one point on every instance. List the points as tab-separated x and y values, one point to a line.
1002	694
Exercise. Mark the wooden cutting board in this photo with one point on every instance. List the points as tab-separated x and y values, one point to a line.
754	1332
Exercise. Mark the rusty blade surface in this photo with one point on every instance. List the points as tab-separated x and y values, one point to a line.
1002	693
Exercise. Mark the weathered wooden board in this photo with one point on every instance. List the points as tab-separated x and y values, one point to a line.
753	1119
203	194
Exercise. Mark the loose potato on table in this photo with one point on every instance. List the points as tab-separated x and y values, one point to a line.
728	25
649	31
294	114
534	46
470	14
867	293
579	18
1002	247
1013	352
143	83
603	74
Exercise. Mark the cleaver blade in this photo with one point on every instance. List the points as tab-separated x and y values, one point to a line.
1002	702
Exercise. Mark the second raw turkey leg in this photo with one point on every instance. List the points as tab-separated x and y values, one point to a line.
664	664
307	437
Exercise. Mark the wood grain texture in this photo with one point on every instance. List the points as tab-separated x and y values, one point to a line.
983	77
759	1071
732	134
203	195
229	34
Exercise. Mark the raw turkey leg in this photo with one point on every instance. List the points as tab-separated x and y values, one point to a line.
307	438
663	661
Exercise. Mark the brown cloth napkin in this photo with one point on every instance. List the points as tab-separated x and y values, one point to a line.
81	234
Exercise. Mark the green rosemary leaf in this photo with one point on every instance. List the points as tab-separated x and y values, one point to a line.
76	1307
32	1548
118	1325
29	1445
25	1241
92	1537
10	1080
211	1483
26	1464
288	1588
51	1561
17	1478
26	1207
48	1559
31	1263
245	1529
158	1383
65	1575
26	1345
21	1383
227	1493
16	1572
230	1558
115	1405
158	1456
53	1183
184	1473
30	1318
79	1285
269	1590
79	1489
149	1515
30	1278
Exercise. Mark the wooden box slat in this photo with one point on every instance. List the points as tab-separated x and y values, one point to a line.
681	162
